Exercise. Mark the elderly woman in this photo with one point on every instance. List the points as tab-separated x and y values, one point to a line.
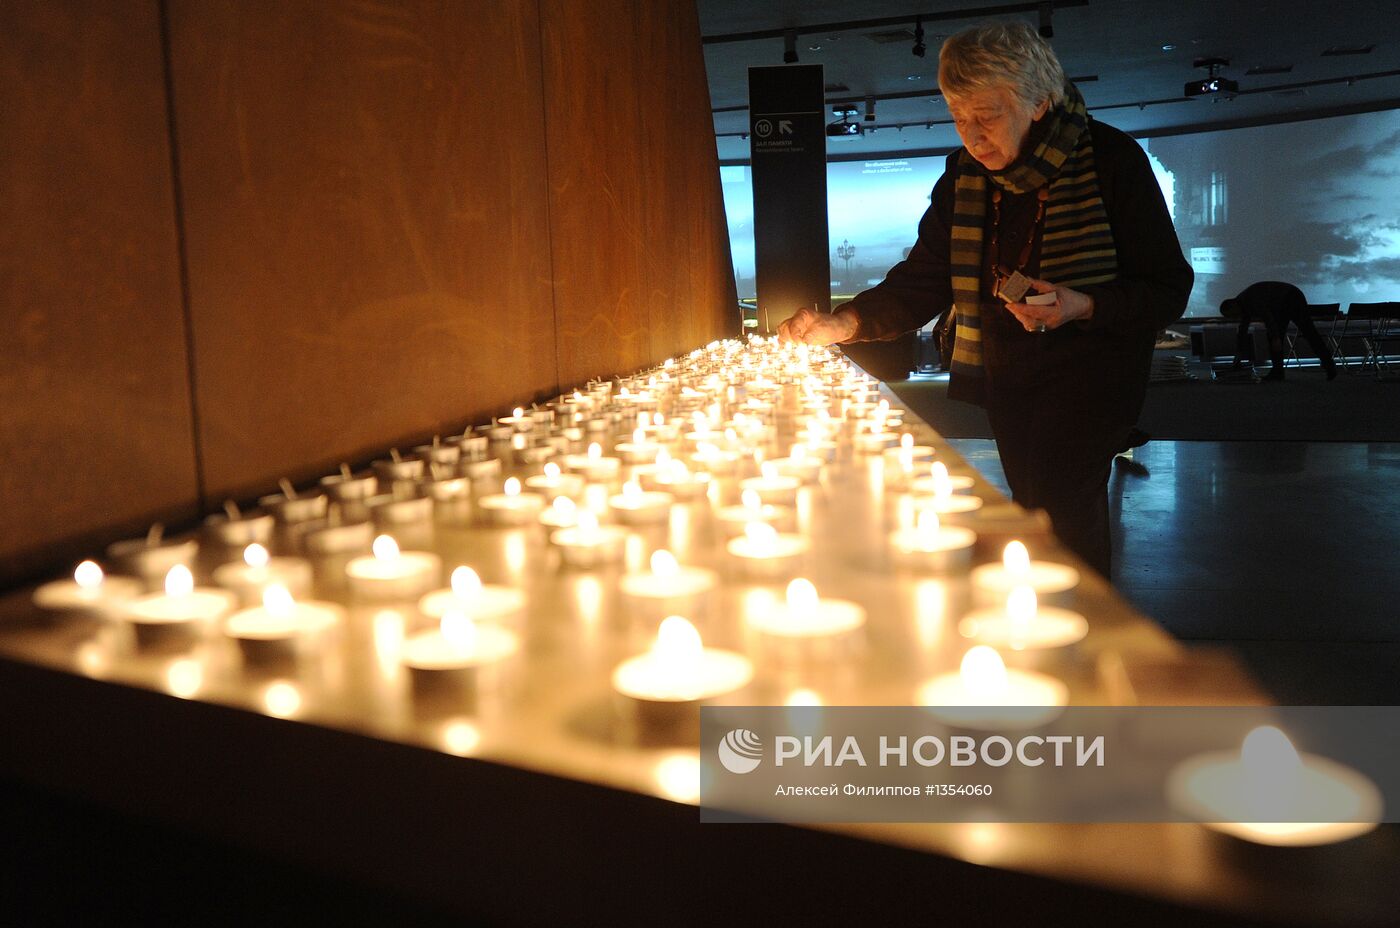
1049	241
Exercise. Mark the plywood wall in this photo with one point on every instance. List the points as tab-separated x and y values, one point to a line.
245	239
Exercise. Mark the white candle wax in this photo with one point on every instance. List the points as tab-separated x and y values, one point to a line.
247	578
346	487
178	615
389	573
280	625
734	520
635	506
772	487
949	507
1024	625
669	585
639	450
992	582
984	694
480	469
930	545
468	595
1268	793
388	512
553	483
908	451
473	447
803	614
459	644
929	485
152	559
763	552
593	465
89	592
677	480
240	530
291	510
439	454
517	421
680	669
711	458
800	465
511	507
589	544
339	539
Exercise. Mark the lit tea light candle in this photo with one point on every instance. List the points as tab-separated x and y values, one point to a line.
526	453
993	582
1024	625
468	595
640	450
458	652
281	625
593	465
337	537
873	439
474	447
800	464
764	552
90	592
772	487
680	669
517	421
985	694
949	506
247	578
938	482
895	458
673	477
589	544
346	487
180	614
562	513
710	457
481	469
439	454
511	506
401	507
635	506
668	586
554	483
1270	794
389	573
151	558
931	545
234	528
805	615
734	520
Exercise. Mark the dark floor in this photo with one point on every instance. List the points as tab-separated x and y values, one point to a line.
1286	551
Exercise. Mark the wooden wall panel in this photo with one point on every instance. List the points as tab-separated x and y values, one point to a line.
95	431
366	222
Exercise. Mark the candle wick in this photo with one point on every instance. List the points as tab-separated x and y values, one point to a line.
394	455
231	510
345	471
437	441
287	489
153	536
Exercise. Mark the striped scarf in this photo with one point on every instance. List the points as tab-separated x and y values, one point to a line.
1077	246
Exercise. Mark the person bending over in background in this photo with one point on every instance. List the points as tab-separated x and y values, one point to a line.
1275	304
1040	193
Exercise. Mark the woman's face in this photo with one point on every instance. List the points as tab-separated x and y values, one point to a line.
993	124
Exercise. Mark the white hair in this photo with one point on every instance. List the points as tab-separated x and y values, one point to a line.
1001	53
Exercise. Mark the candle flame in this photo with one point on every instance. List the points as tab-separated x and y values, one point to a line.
906	458
458	630
564	507
551	471
518	412
588	526
678	645
1266	753
906	442
761	535
751	500
769	470
639	436
632	493
1016	559
804	697
179	581
983	674
277	600
798	453
926	524
466	584
939	471
385	548
1021	606
663	458
88	575
801	597
517	441
255	555
658	419
595	451
664	564
512	486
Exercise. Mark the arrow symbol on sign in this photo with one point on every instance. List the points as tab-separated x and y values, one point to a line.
785	127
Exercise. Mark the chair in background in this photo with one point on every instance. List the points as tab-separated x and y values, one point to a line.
1373	324
1326	318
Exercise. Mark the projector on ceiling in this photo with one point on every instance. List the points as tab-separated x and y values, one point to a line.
844	128
1213	83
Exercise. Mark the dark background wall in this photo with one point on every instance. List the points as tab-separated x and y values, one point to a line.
244	240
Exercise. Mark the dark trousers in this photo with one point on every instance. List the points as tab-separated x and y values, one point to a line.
1061	464
1276	325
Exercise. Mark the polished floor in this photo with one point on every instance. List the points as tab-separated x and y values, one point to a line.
1286	551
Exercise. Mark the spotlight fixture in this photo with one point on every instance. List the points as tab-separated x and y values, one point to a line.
920	49
1213	83
869	109
843	128
790	47
1047	29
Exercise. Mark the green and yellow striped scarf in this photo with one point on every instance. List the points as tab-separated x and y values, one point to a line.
1077	246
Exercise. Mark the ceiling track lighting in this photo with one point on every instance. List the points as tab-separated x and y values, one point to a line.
1047	28
790	47
920	49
